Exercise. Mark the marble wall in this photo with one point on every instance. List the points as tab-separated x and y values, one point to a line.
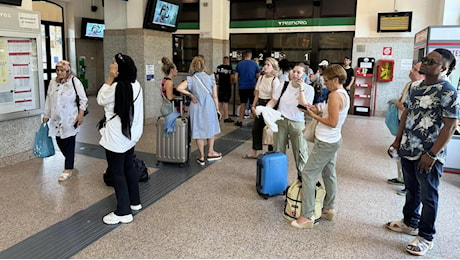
17	139
402	51
146	47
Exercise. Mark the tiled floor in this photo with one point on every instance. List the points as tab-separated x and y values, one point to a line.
218	214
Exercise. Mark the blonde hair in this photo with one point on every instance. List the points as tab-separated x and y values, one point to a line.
168	65
198	64
275	66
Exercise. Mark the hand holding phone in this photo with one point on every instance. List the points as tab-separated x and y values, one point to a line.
301	107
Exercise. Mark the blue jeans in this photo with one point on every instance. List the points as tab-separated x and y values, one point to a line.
421	192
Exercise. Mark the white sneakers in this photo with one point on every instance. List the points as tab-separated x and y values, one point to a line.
136	207
112	218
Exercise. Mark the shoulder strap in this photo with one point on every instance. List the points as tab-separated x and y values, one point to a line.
286	83
77	97
138	93
201	83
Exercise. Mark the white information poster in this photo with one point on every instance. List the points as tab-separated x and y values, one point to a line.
18	77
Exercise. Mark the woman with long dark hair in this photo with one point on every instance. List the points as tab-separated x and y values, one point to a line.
122	98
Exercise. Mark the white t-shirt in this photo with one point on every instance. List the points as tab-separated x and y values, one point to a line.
283	76
266	86
289	101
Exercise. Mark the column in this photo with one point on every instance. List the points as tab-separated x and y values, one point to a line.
124	33
214	31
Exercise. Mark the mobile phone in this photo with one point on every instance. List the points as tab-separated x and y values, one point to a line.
301	107
75	125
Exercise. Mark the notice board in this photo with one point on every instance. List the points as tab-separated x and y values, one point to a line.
21	72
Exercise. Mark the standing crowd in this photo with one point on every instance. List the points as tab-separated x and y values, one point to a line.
428	105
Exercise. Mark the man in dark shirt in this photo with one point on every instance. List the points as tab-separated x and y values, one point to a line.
225	78
350	74
425	128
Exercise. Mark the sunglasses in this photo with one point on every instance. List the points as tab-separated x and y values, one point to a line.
429	61
328	79
120	57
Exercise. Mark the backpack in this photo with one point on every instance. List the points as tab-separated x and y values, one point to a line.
293	202
140	168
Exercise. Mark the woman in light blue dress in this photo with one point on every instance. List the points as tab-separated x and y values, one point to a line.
204	109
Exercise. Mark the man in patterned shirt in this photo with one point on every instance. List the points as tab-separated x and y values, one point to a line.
426	126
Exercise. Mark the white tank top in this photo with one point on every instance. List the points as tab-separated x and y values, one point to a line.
333	135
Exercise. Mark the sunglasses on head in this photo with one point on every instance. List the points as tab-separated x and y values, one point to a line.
429	61
120	57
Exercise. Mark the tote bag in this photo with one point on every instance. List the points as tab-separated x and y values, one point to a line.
309	131
43	145
391	118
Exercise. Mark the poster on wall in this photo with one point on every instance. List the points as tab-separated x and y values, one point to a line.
18	75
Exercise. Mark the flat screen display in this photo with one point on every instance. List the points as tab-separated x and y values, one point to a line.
162	15
394	22
11	2
92	28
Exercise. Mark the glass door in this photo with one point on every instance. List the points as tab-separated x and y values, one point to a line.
52	49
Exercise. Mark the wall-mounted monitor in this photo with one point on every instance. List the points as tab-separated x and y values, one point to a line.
162	15
11	2
92	28
394	22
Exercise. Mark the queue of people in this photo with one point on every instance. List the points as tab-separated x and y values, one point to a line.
428	103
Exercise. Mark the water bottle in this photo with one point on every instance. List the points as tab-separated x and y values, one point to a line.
394	153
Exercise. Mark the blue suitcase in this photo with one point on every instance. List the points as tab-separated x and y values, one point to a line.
272	174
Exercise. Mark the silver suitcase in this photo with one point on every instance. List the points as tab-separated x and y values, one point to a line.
176	147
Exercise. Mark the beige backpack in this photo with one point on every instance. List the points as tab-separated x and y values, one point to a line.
293	202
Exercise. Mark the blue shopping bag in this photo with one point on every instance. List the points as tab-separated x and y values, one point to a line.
391	118
43	145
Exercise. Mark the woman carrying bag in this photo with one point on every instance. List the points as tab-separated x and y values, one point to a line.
62	113
265	86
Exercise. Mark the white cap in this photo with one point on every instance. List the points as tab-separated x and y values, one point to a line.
324	63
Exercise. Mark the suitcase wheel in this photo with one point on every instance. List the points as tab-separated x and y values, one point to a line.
264	196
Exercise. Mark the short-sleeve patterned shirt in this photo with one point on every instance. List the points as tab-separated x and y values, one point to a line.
427	105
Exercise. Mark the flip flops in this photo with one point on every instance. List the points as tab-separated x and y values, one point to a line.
64	176
200	161
215	157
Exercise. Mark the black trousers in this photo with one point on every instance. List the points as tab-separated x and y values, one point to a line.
67	147
257	133
125	180
258	129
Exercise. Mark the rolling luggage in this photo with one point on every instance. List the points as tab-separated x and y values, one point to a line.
272	174
174	148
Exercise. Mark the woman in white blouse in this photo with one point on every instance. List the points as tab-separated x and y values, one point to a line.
63	114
